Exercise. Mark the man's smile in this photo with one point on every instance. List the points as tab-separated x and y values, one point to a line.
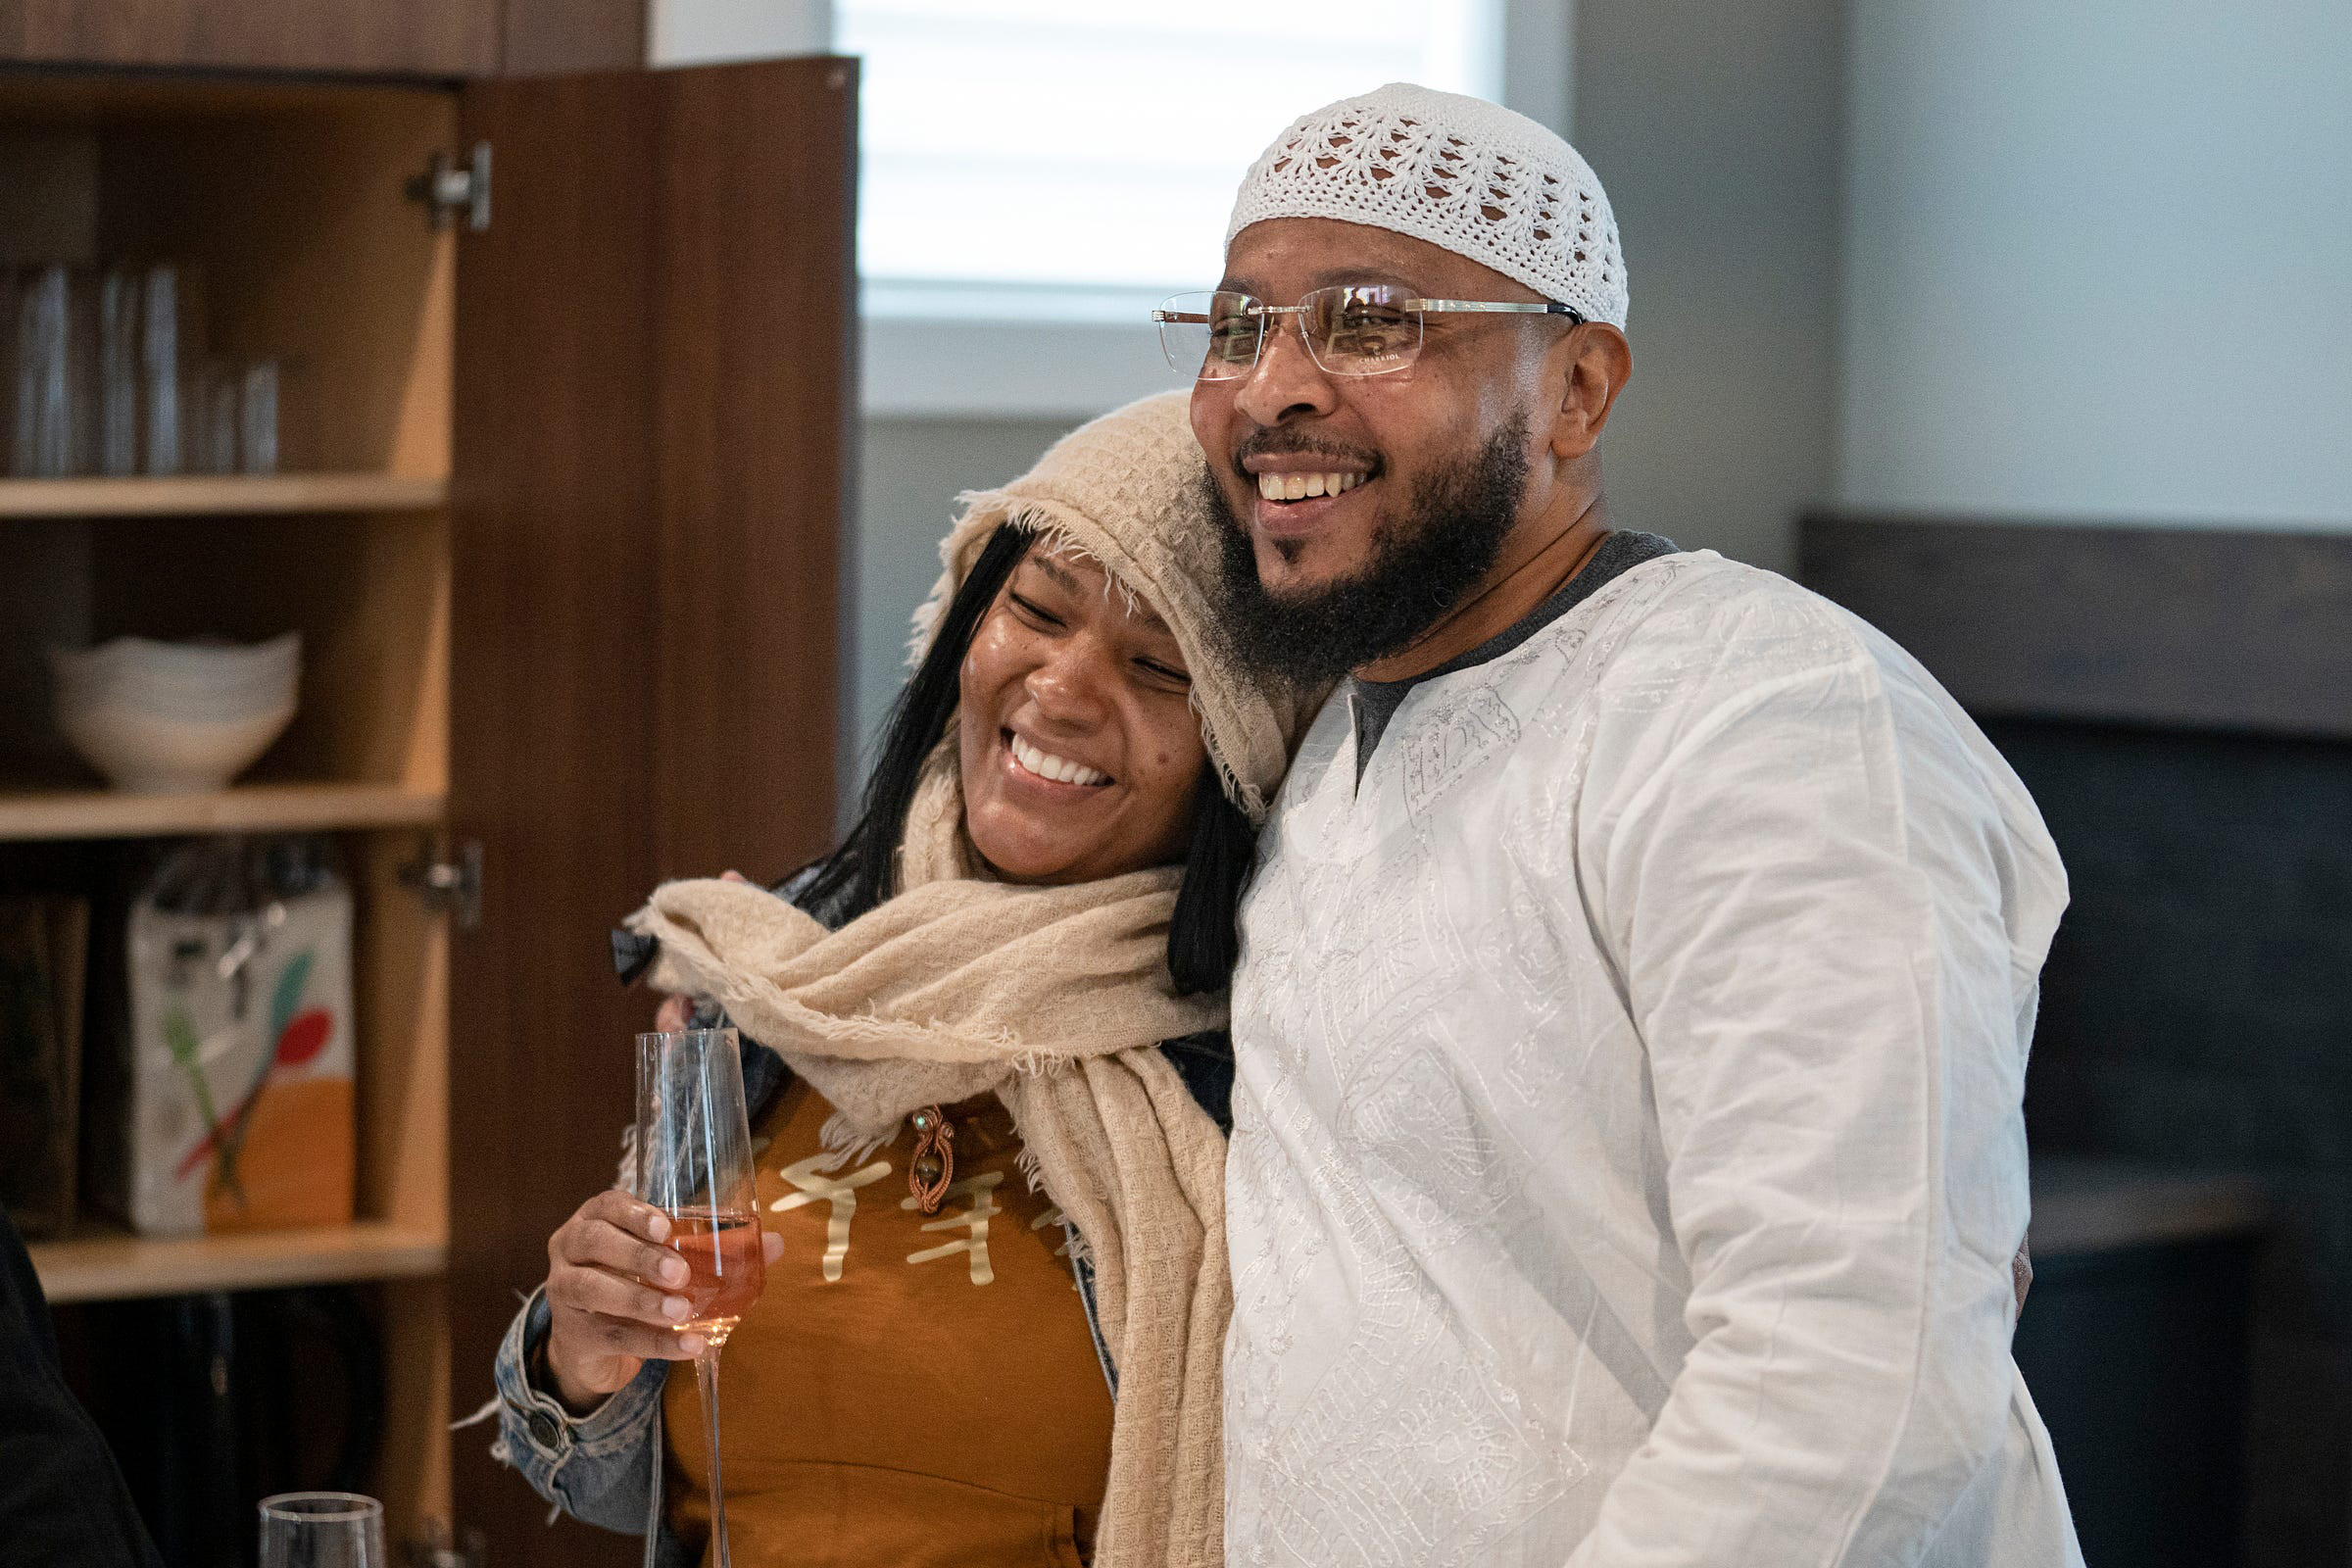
1298	491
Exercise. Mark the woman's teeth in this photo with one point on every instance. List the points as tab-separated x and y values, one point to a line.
1298	486
1060	769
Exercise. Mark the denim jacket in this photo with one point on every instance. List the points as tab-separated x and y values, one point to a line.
605	1467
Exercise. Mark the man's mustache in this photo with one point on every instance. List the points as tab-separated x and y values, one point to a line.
1288	443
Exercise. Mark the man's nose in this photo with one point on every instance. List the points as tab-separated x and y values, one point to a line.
1286	382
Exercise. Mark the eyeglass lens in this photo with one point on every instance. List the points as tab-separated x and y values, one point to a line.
1351	329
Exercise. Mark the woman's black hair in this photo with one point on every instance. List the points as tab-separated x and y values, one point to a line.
1203	941
863	870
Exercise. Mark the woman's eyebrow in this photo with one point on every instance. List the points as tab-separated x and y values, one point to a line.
1068	582
1063	576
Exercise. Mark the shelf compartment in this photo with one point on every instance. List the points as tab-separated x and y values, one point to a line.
369	593
116	1265
286	208
221	496
98	813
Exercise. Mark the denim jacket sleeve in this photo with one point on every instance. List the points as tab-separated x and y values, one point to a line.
599	1467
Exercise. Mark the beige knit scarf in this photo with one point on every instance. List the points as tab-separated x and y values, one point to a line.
1057	998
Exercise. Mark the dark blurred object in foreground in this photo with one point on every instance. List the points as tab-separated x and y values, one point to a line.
214	1402
62	1500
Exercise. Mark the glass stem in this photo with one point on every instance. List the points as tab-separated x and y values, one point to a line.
705	1380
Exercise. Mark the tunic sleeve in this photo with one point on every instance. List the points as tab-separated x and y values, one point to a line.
1828	901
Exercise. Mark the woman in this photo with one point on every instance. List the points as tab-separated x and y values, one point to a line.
989	1089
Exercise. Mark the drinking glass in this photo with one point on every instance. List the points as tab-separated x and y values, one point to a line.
161	345
56	426
118	373
322	1529
694	1163
256	418
211	393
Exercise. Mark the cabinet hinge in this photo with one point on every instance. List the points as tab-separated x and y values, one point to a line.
448	190
448	877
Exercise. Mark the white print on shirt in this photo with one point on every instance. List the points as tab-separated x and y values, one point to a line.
982	1191
816	1188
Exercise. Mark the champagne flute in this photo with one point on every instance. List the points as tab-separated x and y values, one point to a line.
694	1163
322	1529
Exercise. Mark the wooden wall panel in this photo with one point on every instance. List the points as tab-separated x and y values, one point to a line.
2185	627
551	715
652	429
382	37
756	340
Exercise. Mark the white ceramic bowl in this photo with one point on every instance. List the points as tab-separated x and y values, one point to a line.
181	680
173	717
147	753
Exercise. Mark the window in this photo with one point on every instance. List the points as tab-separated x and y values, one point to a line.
1074	160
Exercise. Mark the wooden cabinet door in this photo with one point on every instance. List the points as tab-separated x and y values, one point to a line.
406	37
372	37
653	375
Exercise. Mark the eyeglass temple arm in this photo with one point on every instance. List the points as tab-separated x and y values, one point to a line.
1499	307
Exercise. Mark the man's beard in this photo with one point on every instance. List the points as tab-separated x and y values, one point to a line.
1424	559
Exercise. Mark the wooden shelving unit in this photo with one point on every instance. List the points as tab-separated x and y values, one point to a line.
103	1266
648	423
286	204
242	809
221	496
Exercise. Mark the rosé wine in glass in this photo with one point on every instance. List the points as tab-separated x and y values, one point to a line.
725	1270
694	1163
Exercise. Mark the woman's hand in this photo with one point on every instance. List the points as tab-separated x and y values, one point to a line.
610	1297
609	1280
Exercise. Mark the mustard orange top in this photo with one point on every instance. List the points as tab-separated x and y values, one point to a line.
909	1389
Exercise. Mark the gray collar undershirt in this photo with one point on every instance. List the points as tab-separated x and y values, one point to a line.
1375	701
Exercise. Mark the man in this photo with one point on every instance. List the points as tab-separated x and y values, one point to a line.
1638	972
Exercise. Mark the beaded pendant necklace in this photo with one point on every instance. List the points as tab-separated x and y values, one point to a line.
934	1164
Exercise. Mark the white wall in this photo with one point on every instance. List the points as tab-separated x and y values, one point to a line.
1715	130
2098	259
692	33
907	480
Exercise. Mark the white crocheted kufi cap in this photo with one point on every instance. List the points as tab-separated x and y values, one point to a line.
1459	172
1125	489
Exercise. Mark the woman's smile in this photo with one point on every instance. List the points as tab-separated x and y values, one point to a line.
1035	763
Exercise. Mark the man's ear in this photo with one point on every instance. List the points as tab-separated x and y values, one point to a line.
1591	366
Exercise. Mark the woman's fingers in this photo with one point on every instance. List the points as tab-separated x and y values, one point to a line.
618	1337
614	1231
607	1294
772	1248
733	876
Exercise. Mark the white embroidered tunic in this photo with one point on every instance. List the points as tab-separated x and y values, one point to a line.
1628	1154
